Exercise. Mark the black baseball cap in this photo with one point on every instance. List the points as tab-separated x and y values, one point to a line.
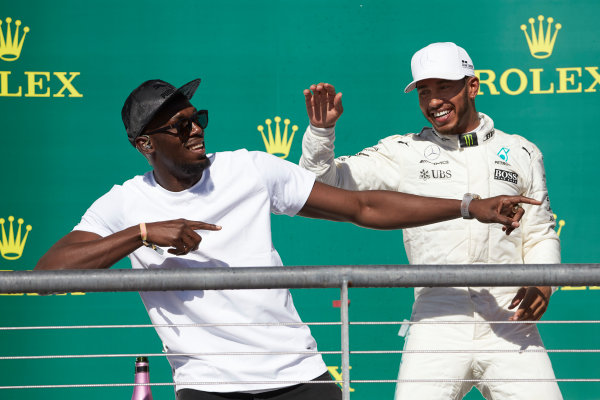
144	102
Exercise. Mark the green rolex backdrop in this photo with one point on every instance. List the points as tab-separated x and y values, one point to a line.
67	66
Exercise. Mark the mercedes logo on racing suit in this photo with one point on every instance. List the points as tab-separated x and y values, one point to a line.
432	152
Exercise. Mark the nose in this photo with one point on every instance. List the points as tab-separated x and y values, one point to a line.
196	129
435	102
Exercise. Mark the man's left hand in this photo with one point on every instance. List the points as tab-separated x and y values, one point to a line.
533	302
323	105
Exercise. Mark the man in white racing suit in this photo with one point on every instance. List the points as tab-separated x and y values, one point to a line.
461	153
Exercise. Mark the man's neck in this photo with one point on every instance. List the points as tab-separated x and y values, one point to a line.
176	183
474	123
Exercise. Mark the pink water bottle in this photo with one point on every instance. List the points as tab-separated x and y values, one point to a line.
142	375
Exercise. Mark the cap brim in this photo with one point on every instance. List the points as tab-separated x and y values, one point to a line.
411	86
189	88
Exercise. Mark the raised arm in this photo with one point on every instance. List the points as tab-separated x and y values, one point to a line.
86	250
324	107
393	210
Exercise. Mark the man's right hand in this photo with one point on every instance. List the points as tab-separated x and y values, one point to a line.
179	234
323	105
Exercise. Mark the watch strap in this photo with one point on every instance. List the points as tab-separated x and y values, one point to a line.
464	205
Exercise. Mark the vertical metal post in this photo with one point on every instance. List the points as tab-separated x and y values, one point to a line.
345	342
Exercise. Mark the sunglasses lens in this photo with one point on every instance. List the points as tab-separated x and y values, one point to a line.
202	118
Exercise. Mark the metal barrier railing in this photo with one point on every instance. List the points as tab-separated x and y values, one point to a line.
343	277
331	276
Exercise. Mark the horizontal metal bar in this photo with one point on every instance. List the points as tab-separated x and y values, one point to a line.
154	326
369	323
333	352
331	276
226	354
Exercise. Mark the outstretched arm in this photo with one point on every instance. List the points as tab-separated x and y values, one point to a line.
86	250
393	210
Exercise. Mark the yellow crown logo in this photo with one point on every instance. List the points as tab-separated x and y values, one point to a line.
559	225
10	45
541	44
11	247
276	144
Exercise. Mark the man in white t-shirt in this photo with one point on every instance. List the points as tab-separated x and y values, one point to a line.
189	190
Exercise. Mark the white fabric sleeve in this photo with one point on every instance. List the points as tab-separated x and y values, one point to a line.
376	167
104	215
289	185
541	244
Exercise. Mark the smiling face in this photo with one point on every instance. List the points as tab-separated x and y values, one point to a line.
449	105
177	155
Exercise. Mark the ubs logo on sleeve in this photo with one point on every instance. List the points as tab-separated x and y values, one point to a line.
507	176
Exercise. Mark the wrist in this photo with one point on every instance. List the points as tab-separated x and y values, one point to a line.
546	291
466	203
322	131
144	238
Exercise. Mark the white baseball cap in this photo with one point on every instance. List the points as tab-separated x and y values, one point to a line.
440	60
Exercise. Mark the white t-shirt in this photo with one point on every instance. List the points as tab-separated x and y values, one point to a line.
239	191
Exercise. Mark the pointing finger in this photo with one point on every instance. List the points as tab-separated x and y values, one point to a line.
526	200
199	225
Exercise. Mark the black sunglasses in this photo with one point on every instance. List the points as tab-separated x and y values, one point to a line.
183	127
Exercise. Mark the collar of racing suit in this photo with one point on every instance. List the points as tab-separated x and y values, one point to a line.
483	133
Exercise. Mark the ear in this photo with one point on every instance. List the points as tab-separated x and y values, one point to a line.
472	86
144	145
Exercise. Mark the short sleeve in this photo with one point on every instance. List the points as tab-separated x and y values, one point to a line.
104	215
288	185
